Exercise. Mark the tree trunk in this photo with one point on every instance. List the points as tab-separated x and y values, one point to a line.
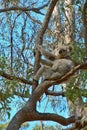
69	21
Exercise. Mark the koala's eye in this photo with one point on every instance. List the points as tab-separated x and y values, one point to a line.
61	51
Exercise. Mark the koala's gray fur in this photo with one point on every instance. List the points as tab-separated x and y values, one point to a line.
54	65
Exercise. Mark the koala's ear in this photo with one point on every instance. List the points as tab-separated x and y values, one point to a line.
70	48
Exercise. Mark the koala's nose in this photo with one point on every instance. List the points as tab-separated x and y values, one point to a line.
60	51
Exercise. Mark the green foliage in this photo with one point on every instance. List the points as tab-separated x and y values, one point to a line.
24	126
9	88
37	127
76	88
3	63
78	53
84	128
3	126
57	127
13	2
73	93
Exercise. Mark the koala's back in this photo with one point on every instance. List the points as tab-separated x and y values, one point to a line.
63	65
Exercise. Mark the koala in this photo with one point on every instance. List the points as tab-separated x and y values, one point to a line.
54	66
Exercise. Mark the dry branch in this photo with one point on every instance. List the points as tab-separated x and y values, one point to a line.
12	77
36	10
52	93
30	115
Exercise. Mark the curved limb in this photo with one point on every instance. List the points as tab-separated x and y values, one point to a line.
46	53
46	62
39	73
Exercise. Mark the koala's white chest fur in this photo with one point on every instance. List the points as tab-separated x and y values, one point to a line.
61	67
62	64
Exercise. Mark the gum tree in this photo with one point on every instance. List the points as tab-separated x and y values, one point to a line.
22	30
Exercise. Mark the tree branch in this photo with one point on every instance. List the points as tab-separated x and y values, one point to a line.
12	77
78	125
36	10
52	93
33	19
55	117
29	111
22	95
30	115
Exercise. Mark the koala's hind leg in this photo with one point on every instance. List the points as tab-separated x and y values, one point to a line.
54	76
39	73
